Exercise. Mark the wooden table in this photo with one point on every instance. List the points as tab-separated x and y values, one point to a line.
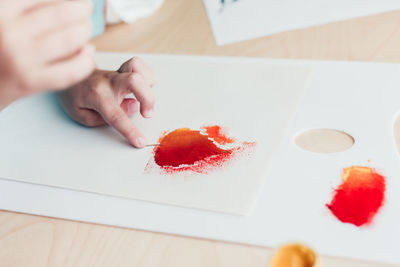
181	27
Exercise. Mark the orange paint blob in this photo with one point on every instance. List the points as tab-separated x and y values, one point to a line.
294	255
359	197
185	149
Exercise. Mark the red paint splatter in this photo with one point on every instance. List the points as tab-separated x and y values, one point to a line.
185	149
216	132
359	197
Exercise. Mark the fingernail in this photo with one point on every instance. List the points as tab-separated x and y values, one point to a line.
148	113
140	142
131	108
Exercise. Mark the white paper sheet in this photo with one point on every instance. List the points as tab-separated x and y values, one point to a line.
253	99
242	20
291	207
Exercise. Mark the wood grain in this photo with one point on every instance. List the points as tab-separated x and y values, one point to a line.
181	27
27	240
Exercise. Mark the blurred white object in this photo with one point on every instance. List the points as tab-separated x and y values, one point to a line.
130	10
239	20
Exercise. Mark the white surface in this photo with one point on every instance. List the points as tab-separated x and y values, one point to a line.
41	145
131	10
248	19
359	98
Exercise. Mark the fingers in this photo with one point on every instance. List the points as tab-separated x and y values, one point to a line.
138	78
74	104
140	87
63	74
92	118
64	42
57	15
23	5
136	64
93	102
88	118
113	114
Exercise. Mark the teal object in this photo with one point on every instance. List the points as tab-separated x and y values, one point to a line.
98	20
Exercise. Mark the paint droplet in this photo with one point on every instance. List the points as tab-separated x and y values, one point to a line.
185	149
359	197
294	255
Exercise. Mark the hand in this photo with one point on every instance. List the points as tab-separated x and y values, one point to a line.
102	99
43	46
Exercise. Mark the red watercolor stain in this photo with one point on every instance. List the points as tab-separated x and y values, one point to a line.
359	197
186	149
216	132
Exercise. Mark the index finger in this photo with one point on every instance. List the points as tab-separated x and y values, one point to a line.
116	117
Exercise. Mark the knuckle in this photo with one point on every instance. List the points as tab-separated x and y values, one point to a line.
97	90
115	117
137	61
134	77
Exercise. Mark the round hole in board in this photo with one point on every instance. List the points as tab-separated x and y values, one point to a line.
324	140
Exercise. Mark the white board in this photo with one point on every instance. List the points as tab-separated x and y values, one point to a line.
291	206
41	145
248	19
